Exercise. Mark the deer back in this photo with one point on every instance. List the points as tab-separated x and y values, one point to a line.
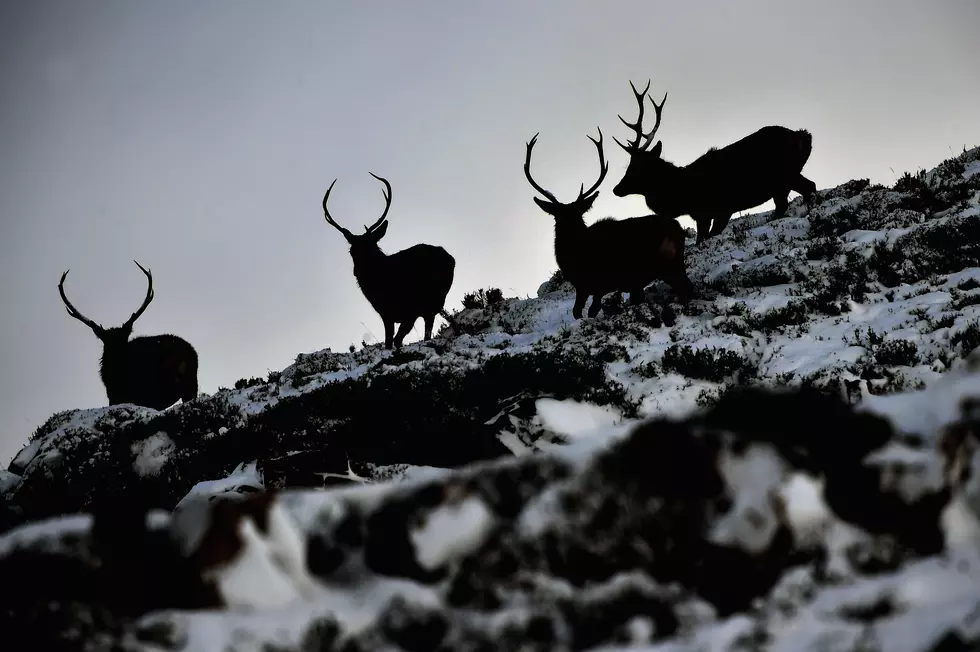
628	253
153	370
414	280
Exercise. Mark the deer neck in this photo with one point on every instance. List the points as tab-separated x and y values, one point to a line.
113	362
370	267
570	239
668	198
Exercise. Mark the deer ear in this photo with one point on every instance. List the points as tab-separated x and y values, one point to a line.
545	205
379	232
588	201
657	149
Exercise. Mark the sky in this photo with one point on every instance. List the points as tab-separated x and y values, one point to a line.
198	138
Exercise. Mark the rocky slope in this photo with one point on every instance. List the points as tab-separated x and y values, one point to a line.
646	485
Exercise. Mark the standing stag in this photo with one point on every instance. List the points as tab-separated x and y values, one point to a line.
403	286
611	255
762	166
151	370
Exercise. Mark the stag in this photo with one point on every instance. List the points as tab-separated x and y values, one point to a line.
152	371
403	286
764	165
611	255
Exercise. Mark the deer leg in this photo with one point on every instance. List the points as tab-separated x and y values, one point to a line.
596	305
403	330
704	224
782	203
580	297
718	225
389	331
682	286
806	188
429	321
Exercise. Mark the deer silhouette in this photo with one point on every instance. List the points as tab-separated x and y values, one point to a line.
152	371
611	255
403	286
764	165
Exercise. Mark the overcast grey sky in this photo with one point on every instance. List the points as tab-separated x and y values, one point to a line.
198	138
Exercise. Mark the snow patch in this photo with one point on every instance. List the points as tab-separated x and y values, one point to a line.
452	531
152	453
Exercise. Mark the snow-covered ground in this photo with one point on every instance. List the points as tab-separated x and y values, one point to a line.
873	294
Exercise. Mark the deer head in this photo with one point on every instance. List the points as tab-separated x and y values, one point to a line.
576	209
644	160
372	234
110	336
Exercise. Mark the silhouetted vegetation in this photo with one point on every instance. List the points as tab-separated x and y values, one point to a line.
483	298
707	363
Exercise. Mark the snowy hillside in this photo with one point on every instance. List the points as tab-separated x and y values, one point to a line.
625	480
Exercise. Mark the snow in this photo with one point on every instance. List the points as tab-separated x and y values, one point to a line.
252	579
270	571
753	477
242	630
8	481
806	513
452	532
924	412
45	451
755	272
244	477
152	453
576	419
43	534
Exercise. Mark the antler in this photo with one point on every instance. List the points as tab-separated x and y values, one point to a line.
603	167
326	213
638	145
71	309
527	171
146	302
387	194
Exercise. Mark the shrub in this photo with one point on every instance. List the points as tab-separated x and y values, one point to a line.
762	276
612	304
400	357
847	189
833	225
793	313
242	383
944	321
931	249
961	301
709	363
483	298
920	199
967	339
648	370
55	421
908	183
389	415
897	352
838	282
951	167
735	326
868	339
823	249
